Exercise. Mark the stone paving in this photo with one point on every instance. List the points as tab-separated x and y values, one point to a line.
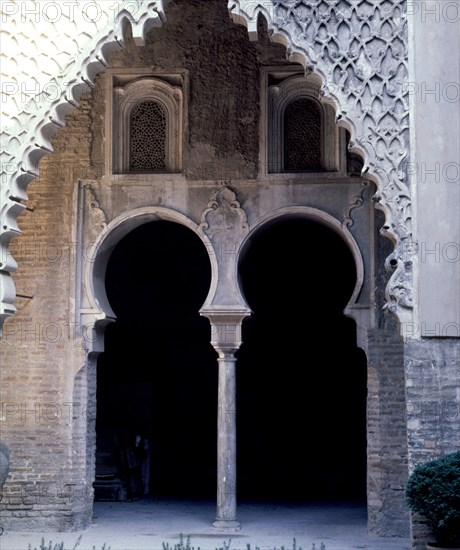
146	524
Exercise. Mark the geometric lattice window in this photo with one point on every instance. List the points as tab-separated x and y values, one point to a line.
147	126
302	135
148	137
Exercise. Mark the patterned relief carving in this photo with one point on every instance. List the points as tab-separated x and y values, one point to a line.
163	154
359	47
356	202
226	224
224	220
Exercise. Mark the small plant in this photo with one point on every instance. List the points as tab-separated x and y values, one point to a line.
433	490
181	545
60	545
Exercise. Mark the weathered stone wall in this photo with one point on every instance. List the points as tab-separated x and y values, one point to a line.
224	69
433	406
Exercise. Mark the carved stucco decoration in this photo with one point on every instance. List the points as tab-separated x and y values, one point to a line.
226	225
356	202
148	89
358	47
54	52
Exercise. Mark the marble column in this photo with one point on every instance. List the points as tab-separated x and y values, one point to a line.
226	340
226	443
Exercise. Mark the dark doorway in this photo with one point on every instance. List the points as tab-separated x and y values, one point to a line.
301	380
157	378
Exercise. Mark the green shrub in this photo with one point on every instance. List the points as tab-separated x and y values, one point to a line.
433	490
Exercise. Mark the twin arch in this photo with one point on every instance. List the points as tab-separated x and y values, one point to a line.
124	224
226	319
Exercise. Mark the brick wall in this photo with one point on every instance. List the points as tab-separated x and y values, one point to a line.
48	384
387	438
39	353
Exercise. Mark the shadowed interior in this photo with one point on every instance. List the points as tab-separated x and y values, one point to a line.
157	378
301	380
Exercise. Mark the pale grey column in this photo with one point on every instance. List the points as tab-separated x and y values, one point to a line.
226	443
226	340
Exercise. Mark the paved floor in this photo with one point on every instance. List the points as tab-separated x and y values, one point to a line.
146	524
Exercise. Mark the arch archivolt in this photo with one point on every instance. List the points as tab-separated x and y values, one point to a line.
99	313
359	312
359	49
225	228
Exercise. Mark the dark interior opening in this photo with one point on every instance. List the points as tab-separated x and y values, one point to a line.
157	378
301	380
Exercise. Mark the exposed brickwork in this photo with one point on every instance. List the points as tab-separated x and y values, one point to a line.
39	353
387	438
48	394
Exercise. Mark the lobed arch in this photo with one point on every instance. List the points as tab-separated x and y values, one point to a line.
369	97
353	310
99	254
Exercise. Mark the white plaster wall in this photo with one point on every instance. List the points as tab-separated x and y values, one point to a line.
435	123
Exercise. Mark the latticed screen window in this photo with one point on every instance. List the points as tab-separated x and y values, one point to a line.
302	135
148	137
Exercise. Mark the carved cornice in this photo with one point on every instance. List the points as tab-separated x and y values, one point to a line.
359	48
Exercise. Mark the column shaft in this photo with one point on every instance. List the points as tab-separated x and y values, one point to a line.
226	446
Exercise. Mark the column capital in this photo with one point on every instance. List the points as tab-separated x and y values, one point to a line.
226	324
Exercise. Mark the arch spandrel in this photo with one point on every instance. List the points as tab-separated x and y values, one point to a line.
357	47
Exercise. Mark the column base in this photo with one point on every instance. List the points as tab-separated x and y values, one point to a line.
229	526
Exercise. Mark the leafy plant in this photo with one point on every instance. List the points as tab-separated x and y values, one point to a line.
433	490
